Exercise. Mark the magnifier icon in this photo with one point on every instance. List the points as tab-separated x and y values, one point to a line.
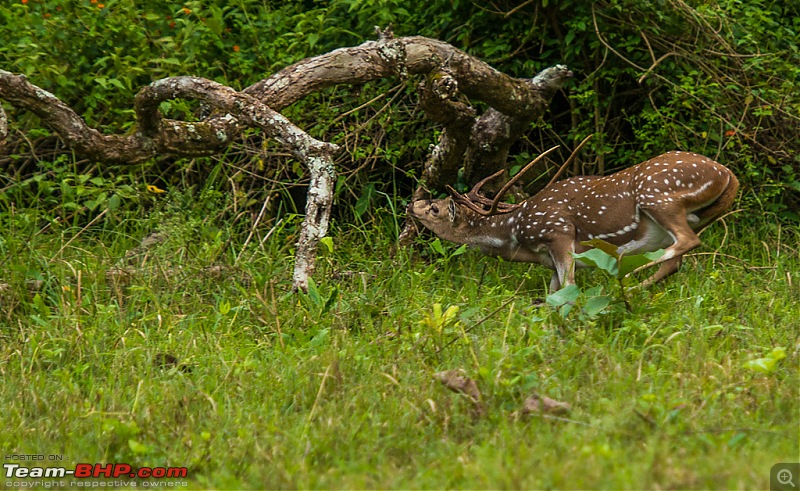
785	477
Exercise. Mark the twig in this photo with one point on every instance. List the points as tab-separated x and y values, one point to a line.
275	309
465	331
253	229
319	395
745	430
655	64
649	48
274	227
608	46
647	419
498	309
362	106
563	420
516	178
98	217
746	264
518	7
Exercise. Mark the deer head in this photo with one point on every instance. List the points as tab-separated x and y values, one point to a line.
443	217
454	218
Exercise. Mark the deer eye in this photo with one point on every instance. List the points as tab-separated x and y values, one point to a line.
434	209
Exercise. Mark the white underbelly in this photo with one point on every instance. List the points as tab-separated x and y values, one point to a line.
651	237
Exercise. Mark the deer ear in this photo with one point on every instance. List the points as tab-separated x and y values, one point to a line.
452	211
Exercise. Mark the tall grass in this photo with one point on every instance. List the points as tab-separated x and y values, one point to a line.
172	353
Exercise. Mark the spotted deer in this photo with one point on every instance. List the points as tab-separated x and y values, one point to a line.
661	203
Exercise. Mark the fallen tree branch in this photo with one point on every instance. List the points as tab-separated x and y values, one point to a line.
400	57
478	142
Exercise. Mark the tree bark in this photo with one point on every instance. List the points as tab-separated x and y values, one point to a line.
480	143
3	127
452	78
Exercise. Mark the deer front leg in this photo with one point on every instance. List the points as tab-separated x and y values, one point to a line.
563	263
555	284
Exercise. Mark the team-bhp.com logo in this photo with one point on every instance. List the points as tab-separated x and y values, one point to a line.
83	471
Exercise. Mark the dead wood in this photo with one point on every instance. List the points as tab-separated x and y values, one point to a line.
452	79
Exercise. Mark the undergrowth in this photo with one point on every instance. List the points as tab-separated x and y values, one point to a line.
167	338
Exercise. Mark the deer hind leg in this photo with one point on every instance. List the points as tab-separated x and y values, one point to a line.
723	203
685	239
667	268
684	230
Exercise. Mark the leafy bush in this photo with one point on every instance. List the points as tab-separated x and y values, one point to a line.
717	78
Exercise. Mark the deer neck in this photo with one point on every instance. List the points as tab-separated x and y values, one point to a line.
491	234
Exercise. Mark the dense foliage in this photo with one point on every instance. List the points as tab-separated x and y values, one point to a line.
719	78
146	314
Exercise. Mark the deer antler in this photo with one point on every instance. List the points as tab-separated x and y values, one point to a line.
570	159
473	198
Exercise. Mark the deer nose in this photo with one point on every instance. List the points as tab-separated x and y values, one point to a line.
410	206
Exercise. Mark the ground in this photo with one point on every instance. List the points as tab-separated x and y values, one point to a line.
189	350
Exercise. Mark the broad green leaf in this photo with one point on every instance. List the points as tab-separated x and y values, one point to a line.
117	83
436	245
763	365
769	363
114	201
313	293
778	353
461	250
630	263
364	201
330	301
327	242
563	296
593	291
604	246
595	305
437	311
136	447
599	259
319	338
449	314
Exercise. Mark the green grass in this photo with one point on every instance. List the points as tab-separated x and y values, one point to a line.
334	389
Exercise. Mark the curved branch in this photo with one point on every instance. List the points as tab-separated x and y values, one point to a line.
388	57
239	109
440	99
73	130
